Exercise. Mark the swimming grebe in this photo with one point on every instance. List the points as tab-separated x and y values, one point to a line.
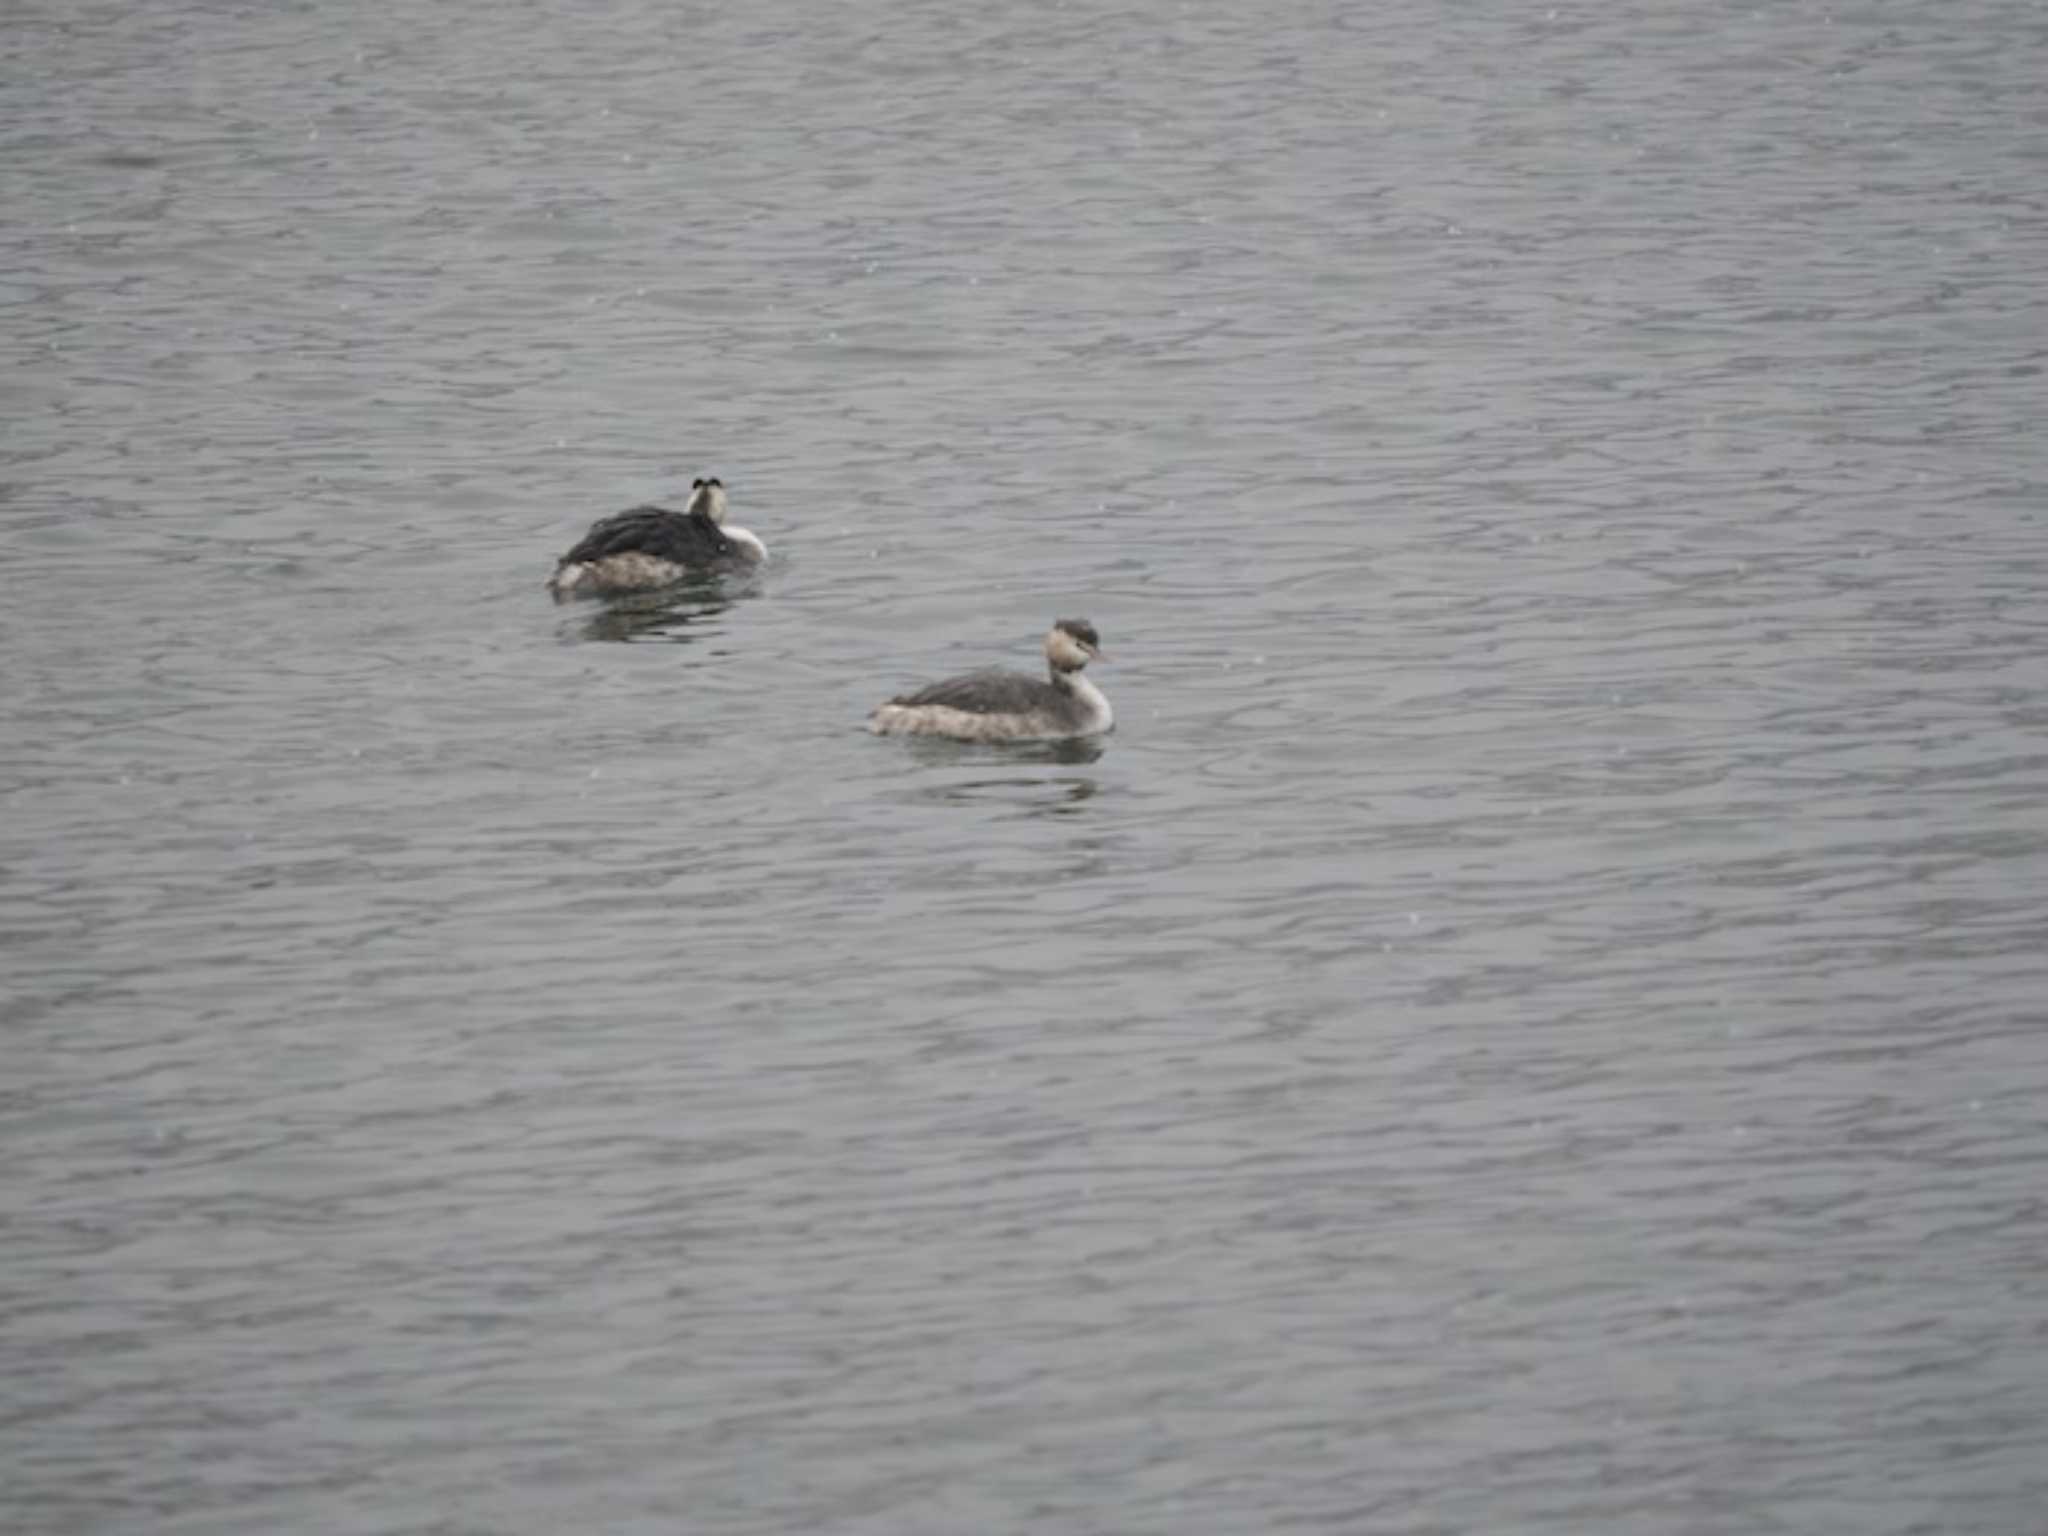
1008	706
651	546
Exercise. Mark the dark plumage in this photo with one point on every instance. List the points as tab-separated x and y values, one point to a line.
647	547
687	538
991	691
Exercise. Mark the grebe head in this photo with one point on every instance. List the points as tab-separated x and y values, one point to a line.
708	497
1071	644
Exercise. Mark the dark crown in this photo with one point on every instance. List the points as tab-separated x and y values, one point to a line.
1080	629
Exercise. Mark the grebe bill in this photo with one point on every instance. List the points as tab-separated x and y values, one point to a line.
651	546
1008	706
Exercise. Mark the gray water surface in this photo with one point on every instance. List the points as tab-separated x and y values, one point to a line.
1533	1023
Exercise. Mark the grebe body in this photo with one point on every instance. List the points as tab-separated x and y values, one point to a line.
646	547
1009	706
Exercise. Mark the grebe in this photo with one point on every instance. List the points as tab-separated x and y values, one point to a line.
1008	706
651	546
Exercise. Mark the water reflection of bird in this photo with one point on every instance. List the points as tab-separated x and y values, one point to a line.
678	615
1031	797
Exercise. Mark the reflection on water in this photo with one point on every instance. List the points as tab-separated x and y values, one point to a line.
668	615
1062	796
940	752
1048	795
